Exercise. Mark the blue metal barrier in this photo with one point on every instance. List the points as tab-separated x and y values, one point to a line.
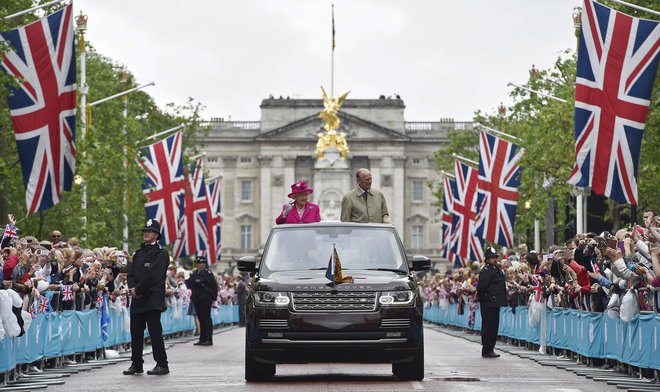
55	334
592	335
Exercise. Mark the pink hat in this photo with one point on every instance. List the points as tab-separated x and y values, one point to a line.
299	187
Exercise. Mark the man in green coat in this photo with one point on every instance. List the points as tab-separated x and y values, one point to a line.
364	204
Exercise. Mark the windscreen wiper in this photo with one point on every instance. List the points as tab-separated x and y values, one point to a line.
388	269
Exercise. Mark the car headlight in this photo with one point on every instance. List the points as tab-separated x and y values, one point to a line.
269	298
396	298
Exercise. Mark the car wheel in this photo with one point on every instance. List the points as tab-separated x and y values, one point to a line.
254	370
413	369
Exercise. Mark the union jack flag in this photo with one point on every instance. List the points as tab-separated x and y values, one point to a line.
214	220
99	302
193	222
44	304
164	184
33	309
11	231
67	292
497	189
43	107
465	244
617	64
447	216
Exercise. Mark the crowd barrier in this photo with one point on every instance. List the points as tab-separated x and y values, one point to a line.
593	335
56	334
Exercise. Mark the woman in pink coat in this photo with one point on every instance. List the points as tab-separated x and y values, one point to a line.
299	210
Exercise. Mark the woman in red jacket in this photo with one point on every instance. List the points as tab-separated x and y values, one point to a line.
299	210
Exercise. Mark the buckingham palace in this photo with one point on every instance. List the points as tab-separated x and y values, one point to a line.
259	160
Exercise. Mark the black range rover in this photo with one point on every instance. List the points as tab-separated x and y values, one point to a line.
297	315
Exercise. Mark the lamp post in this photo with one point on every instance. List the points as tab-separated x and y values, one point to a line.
81	27
577	23
501	113
124	79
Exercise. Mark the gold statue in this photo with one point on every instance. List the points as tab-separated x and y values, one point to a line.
331	137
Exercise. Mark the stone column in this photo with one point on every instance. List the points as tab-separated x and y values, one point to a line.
266	205
397	209
289	172
230	238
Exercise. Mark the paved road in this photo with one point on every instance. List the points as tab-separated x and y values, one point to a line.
452	364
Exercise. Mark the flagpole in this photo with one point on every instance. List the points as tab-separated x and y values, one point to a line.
461	158
162	133
637	7
332	56
447	174
122	94
81	22
538	92
33	9
493	130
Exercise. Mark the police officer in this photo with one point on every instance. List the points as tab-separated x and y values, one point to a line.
204	290
491	292
146	283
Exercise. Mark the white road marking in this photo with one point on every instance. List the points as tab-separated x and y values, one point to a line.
417	385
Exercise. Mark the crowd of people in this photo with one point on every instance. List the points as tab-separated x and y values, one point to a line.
58	274
615	273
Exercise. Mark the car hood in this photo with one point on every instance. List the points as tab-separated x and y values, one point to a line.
315	280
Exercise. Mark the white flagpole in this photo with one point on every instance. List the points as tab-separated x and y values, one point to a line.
637	7
464	159
162	133
447	174
33	9
538	92
493	130
122	93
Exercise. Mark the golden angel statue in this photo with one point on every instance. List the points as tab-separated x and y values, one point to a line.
331	106
331	138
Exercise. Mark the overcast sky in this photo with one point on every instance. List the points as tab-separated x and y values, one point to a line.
444	58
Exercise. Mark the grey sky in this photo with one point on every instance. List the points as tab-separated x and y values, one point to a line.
444	58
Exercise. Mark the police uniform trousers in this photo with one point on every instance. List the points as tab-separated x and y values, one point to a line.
151	320
203	311
490	322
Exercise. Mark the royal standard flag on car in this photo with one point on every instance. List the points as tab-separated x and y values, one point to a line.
333	273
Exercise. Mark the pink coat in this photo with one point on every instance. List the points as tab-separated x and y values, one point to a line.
311	214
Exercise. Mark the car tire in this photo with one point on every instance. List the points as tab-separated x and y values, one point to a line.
254	370
413	369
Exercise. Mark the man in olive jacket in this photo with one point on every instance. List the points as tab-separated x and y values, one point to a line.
146	282
204	290
364	204
491	293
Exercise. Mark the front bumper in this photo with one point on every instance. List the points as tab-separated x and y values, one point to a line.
388	335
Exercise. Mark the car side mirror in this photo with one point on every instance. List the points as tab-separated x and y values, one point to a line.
247	264
421	263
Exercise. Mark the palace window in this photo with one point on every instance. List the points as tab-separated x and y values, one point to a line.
418	191
246	237
246	190
417	237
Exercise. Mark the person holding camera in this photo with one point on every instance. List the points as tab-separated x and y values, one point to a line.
491	293
146	283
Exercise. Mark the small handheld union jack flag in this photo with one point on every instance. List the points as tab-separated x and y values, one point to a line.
99	302
44	304
11	231
67	292
33	309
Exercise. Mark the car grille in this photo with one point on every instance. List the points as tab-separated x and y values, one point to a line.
273	324
395	323
314	301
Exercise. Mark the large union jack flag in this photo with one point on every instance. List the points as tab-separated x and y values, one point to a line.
447	216
214	220
497	189
193	222
465	244
43	106
617	63
163	184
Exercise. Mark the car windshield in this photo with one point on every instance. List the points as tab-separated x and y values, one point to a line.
308	248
